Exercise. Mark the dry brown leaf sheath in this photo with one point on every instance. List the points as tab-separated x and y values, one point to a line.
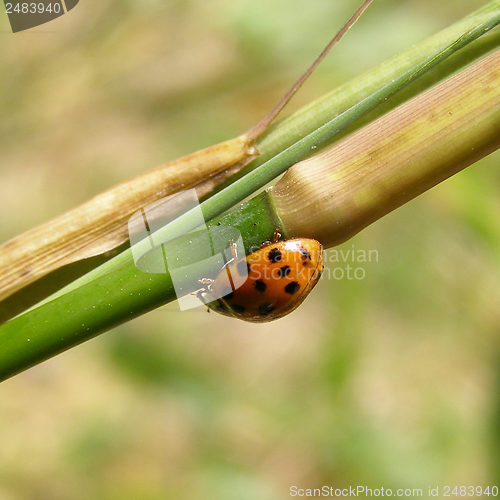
100	225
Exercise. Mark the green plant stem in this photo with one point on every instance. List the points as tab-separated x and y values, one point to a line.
441	47
113	298
117	291
403	70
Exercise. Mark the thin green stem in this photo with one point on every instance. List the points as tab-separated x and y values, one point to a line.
303	147
117	291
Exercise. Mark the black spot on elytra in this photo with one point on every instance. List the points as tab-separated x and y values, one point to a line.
260	286
292	288
265	309
274	255
284	271
304	255
243	268
238	308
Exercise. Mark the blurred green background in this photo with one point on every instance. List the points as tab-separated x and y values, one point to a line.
392	380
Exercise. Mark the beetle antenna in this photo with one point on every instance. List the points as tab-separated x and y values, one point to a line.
255	132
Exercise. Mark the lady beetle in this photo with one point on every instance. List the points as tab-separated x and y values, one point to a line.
280	275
